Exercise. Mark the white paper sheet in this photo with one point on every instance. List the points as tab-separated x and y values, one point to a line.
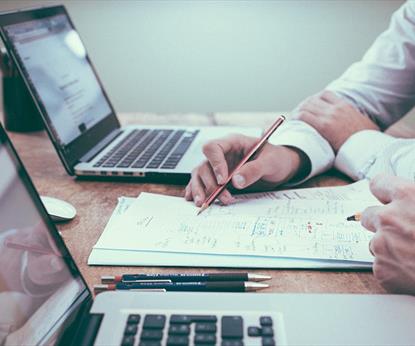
349	244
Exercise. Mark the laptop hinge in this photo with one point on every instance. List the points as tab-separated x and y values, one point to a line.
100	146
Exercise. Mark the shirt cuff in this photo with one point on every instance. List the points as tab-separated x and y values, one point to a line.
357	155
300	135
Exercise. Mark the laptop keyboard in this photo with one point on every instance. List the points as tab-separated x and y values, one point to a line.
148	148
203	330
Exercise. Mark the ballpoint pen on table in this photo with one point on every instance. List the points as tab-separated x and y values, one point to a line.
223	286
183	277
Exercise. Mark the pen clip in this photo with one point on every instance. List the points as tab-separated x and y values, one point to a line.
110	279
161	281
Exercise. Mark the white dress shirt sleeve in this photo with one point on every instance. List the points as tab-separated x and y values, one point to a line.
368	153
382	84
300	135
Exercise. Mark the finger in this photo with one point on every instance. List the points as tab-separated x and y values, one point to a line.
330	97
386	187
316	106
226	198
215	153
198	189
305	116
377	245
311	119
208	178
370	247
369	218
188	193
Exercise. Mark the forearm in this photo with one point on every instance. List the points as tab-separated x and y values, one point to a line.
315	153
381	85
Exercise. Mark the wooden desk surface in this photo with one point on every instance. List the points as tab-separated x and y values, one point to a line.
95	202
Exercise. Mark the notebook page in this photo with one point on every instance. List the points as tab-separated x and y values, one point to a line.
260	227
138	257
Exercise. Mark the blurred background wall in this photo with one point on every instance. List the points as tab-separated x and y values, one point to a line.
201	56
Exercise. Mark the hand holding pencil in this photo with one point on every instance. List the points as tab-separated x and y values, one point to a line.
274	165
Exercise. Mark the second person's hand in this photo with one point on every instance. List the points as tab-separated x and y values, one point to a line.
274	165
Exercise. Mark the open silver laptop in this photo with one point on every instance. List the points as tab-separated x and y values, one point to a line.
50	56
44	299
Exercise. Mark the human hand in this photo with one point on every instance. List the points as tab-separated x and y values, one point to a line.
394	225
335	119
273	165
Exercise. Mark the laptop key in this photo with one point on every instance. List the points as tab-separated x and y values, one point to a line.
149	334
182	319
204	318
174	340
267	341
186	319
149	343
232	327
254	331
133	319
232	343
179	329
205	339
154	321
128	340
205	328
108	165
131	329
265	321
267	331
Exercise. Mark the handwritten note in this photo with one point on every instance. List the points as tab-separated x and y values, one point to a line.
286	224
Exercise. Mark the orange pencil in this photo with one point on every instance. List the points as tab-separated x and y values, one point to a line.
247	157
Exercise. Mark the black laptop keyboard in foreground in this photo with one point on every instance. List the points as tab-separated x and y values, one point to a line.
182	330
148	148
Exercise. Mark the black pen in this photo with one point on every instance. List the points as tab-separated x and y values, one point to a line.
223	286
184	277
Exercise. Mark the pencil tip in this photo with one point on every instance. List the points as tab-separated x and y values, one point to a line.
202	208
355	217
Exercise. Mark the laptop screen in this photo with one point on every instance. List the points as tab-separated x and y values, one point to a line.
55	61
38	284
55	66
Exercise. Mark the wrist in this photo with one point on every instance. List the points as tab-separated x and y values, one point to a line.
300	164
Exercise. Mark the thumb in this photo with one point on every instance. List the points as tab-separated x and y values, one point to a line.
368	219
248	174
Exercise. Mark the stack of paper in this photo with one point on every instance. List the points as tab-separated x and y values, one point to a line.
303	228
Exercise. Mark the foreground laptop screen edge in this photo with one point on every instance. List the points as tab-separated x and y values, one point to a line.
83	296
